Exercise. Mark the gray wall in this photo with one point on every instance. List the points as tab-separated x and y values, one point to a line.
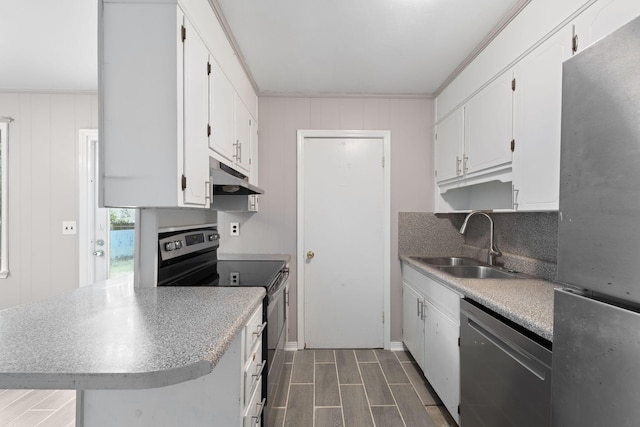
273	229
43	186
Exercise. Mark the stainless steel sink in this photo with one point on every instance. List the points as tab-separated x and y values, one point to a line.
478	272
446	261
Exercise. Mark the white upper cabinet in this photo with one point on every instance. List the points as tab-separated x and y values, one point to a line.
511	152
488	128
473	143
221	98
195	182
242	143
231	123
151	76
450	147
169	88
537	113
253	160
602	18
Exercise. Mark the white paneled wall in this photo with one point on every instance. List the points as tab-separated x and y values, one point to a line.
43	182
273	229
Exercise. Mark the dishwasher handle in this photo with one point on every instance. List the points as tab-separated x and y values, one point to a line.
526	360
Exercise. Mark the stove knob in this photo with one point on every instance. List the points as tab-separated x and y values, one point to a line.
178	244
169	246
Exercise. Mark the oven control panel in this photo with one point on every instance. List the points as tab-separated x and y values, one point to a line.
175	244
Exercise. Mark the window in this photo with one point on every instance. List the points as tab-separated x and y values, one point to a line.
4	213
121	241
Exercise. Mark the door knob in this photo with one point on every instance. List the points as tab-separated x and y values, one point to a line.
310	254
99	253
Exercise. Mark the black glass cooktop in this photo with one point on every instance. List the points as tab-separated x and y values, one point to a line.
248	273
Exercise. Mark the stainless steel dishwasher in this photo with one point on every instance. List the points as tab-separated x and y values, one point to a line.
505	375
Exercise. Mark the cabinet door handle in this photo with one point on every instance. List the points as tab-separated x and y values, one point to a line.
458	170
259	414
260	367
235	153
423	315
239	152
465	161
516	192
260	329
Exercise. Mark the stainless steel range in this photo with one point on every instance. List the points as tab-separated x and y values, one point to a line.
189	257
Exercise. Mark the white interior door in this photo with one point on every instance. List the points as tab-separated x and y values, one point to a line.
93	224
343	236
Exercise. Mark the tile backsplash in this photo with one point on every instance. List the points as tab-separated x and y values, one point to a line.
528	241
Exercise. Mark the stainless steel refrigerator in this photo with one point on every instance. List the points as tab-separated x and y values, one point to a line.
596	342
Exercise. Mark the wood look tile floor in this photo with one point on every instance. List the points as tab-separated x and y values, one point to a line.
41	408
354	388
325	388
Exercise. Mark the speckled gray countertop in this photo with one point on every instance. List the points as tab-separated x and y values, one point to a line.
527	302
114	337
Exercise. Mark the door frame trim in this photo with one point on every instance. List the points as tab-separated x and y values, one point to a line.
385	136
85	217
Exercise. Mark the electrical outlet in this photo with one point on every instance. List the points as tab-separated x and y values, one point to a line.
234	229
234	278
68	227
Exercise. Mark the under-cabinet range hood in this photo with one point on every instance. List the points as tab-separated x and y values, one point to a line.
228	181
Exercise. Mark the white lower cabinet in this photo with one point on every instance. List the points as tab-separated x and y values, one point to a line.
431	332
253	402
230	395
442	356
412	322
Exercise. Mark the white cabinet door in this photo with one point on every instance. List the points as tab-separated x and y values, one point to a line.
537	117
196	110
242	136
449	146
488	127
412	323
221	114
153	100
602	18
253	159
442	357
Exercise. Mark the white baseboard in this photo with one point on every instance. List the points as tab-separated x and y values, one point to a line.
291	346
397	346
393	346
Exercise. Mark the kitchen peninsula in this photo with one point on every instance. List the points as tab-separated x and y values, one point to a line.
150	356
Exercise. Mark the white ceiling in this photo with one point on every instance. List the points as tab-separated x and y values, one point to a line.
358	46
289	46
48	45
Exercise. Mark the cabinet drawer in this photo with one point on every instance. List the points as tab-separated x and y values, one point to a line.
253	332
253	412
438	294
253	371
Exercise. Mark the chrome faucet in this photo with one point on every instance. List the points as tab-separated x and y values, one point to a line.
493	251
